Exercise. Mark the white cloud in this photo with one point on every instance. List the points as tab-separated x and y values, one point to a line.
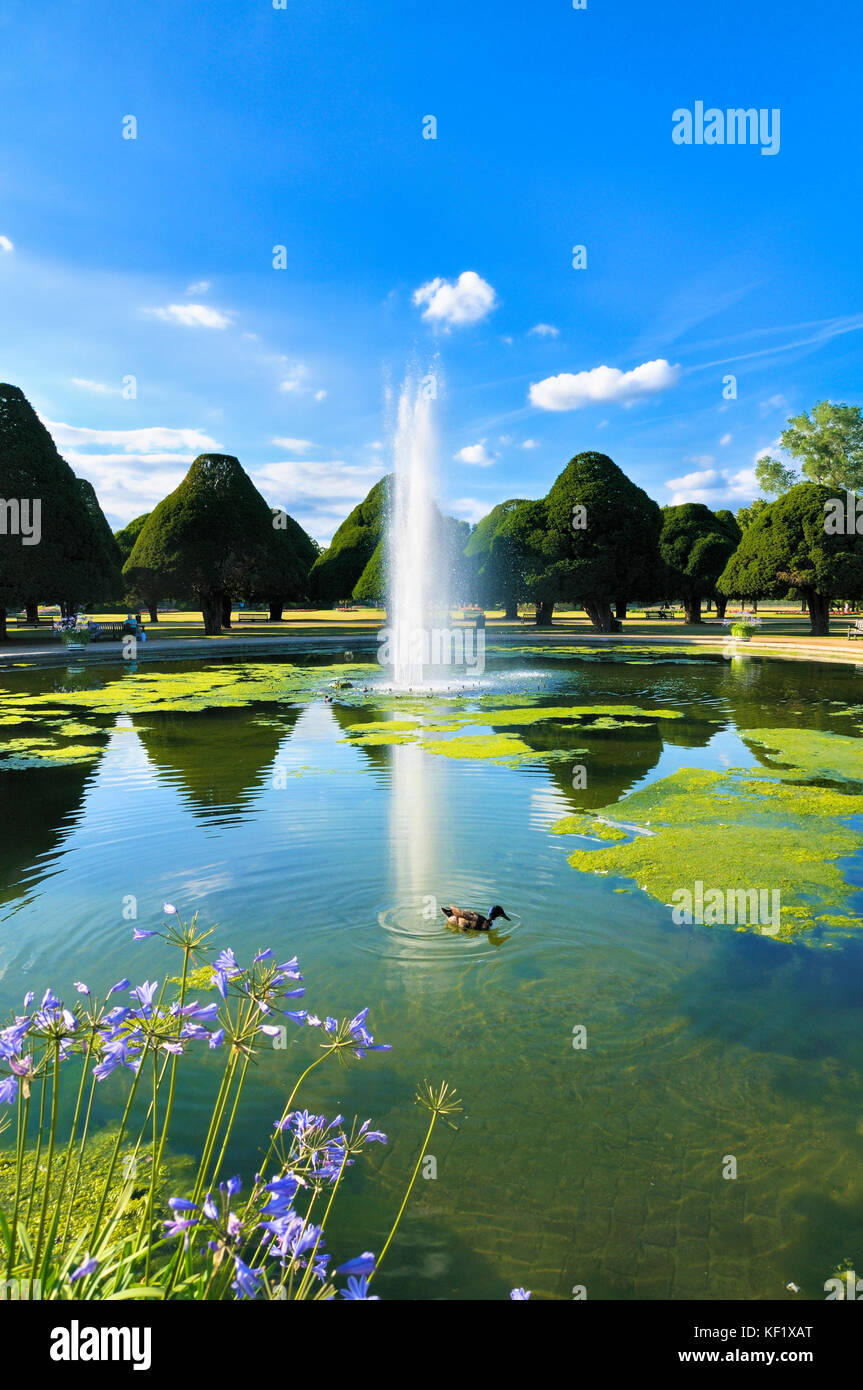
154	439
295	446
476	454
507	439
470	509
295	378
319	495
703	460
544	330
467	300
199	287
570	391
129	484
773	403
334	480
715	487
726	439
5	244
320	395
192	316
96	386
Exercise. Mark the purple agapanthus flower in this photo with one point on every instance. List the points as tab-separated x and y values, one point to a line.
358	1289
248	1281
520	1295
360	1264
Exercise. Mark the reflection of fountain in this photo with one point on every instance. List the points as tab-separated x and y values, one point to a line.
412	838
417	574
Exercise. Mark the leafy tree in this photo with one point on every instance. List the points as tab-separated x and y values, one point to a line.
828	445
493	563
371	587
286	579
695	546
787	546
746	515
67	562
126	539
101	560
448	540
128	534
212	536
594	538
337	569
735	532
452	538
773	477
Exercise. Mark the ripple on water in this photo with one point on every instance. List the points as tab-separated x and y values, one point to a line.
412	928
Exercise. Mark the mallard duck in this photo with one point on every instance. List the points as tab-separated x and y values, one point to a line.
466	920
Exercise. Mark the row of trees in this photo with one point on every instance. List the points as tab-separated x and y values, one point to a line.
213	541
595	541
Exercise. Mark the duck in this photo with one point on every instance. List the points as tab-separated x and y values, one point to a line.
466	920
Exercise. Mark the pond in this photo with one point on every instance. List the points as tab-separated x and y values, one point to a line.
611	1062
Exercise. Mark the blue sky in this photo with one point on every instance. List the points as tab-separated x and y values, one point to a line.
303	127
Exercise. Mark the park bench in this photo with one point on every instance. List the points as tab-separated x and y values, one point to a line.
855	629
252	617
654	612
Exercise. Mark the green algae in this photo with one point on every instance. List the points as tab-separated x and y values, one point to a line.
21	754
538	714
392	726
381	740
738	830
812	752
493	746
214	687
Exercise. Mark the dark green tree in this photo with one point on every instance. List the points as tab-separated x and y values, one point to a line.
787	546
371	587
127	536
126	539
287	578
65	559
493	561
695	546
212	537
338	569
101	560
593	539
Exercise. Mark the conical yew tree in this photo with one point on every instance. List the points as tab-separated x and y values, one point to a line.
212	537
52	542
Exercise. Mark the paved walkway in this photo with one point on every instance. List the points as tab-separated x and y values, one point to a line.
181	648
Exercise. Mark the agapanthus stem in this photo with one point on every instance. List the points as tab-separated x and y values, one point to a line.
55	1097
401	1211
309	1274
23	1117
97	1235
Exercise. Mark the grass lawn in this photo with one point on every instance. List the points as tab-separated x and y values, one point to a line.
777	621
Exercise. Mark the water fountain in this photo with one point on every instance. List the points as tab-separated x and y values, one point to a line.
417	573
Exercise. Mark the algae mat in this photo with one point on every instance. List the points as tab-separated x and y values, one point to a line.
780	826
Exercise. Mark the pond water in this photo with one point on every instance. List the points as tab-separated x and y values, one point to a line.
237	791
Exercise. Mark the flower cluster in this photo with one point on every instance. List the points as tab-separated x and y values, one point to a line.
270	1228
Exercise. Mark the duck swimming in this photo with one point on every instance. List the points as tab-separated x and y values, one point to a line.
466	920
